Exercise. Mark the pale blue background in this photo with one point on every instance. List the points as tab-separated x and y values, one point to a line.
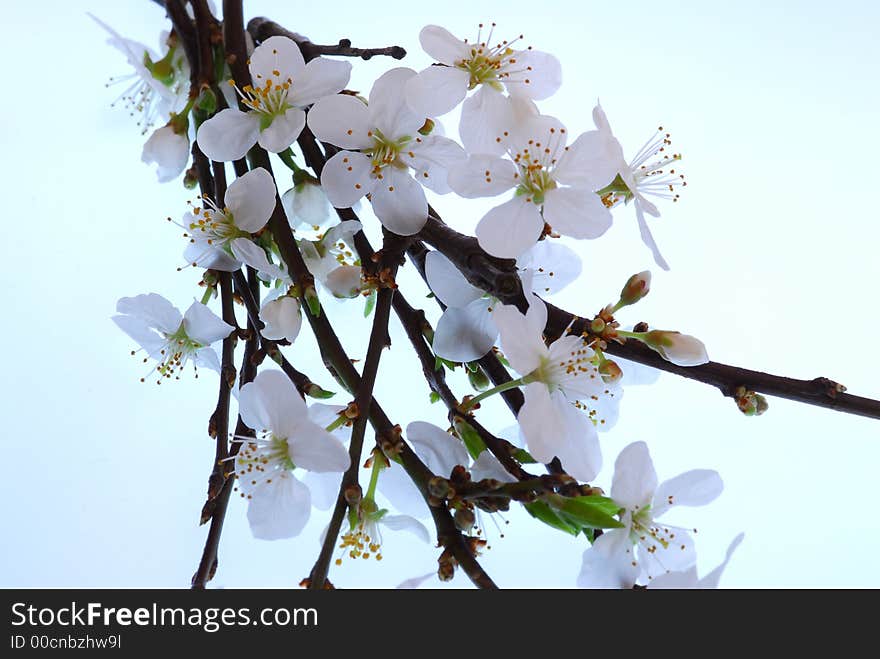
773	249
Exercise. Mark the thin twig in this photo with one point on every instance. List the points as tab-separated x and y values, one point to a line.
262	28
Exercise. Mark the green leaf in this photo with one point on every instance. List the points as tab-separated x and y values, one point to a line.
523	457
471	438
371	303
316	391
541	511
434	397
585	512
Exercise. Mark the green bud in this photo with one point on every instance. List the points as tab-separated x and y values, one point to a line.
635	289
207	101
478	379
312	301
316	391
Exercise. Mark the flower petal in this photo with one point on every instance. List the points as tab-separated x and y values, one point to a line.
252	254
554	266
591	161
203	325
276	54
447	282
647	237
482	176
399	202
388	109
271	402
692	488
487	121
168	151
635	480
442	45
346	178
406	523
432	157
315	449
324	487
153	309
510	229
576	212
711	579
321	77
279	509
540	77
466	333
487	466
283	130
609	562
344	281
342	120
578	450
140	332
436	90
282	317
398	488
228	135
203	255
251	198
439	450
521	341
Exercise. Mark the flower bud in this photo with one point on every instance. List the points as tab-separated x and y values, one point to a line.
680	349
316	391
427	127
749	402
635	289
464	519
478	379
610	371
282	318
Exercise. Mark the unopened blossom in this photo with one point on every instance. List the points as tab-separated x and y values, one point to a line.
167	336
158	85
646	548
279	503
566	398
689	578
169	150
491	68
680	349
306	203
466	331
220	238
281	316
384	155
652	172
282	86
332	262
549	187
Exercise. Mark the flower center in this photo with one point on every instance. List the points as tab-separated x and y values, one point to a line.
488	64
268	100
536	162
179	347
385	152
214	226
363	538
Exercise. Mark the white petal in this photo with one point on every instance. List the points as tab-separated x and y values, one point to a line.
609	562
399	202
398	488
591	161
465	334
315	449
229	134
153	309
521	342
324	487
676	555
346	178
282	317
344	281
140	332
482	176
169	151
576	212
647	237
249	252
251	198
510	229
323	415
543	429
406	523
203	255
342	120
207	357
554	266
537	75
321	77
579	453
487	122
279	509
442	45
271	402
432	157
692	488
279	54
676	580
711	579
447	282
487	466
635	373
283	130
415	582
203	325
634	480
439	450
437	90
388	109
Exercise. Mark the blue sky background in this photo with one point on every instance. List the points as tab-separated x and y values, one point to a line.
773	253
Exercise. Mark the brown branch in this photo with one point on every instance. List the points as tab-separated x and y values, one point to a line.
262	28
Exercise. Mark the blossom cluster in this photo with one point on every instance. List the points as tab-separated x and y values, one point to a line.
391	150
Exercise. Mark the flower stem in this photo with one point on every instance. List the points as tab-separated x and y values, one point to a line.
378	466
504	386
287	158
338	423
207	296
638	336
